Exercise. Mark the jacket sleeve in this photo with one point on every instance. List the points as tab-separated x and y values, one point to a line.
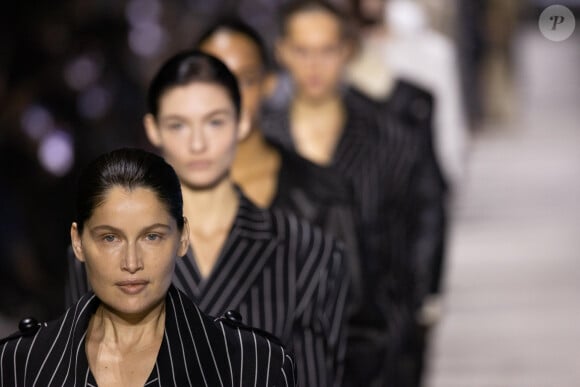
428	232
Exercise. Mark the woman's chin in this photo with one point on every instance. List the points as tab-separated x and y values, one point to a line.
204	183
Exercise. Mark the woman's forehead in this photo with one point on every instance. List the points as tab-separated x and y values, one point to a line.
195	98
139	202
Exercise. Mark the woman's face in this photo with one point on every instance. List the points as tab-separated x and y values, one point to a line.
314	52
196	131
129	246
242	56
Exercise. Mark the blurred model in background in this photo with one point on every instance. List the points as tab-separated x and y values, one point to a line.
336	126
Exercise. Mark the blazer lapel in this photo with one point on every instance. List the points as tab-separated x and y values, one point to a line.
189	351
250	245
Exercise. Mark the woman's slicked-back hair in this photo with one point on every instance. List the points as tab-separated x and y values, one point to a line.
188	67
293	8
236	25
130	169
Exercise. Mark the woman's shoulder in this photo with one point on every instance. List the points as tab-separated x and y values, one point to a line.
31	331
225	348
256	349
19	343
35	349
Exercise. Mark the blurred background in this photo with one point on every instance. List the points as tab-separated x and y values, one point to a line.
72	86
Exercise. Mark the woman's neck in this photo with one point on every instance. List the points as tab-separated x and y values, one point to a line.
251	154
211	209
127	333
323	107
256	168
252	149
316	129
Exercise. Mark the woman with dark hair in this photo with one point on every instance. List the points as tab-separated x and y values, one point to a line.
135	328
269	174
331	124
278	271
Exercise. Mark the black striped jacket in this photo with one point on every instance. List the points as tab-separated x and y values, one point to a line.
322	197
196	351
414	107
385	165
284	276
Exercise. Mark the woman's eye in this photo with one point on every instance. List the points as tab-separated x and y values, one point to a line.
175	125
217	122
109	238
153	237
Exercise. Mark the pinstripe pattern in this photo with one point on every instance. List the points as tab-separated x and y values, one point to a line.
324	199
196	351
283	276
383	160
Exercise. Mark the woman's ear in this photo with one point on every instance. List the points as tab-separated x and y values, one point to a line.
76	242
151	129
244	127
184	241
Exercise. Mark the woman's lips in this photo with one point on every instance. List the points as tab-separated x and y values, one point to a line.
200	164
132	287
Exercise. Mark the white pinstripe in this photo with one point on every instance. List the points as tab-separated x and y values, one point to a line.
228	352
50	350
172	302
210	347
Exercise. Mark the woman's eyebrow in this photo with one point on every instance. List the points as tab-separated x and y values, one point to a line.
157	225
219	111
106	227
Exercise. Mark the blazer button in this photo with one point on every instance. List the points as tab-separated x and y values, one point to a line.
28	325
234	315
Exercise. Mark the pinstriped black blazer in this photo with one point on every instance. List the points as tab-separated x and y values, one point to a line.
196	351
414	106
383	162
323	198
284	276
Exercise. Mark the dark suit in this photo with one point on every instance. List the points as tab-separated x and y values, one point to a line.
414	107
283	276
196	351
384	162
323	198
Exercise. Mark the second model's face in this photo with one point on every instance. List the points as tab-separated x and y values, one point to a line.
314	52
196	131
129	245
242	57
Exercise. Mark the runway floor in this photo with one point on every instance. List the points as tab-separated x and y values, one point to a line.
512	309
